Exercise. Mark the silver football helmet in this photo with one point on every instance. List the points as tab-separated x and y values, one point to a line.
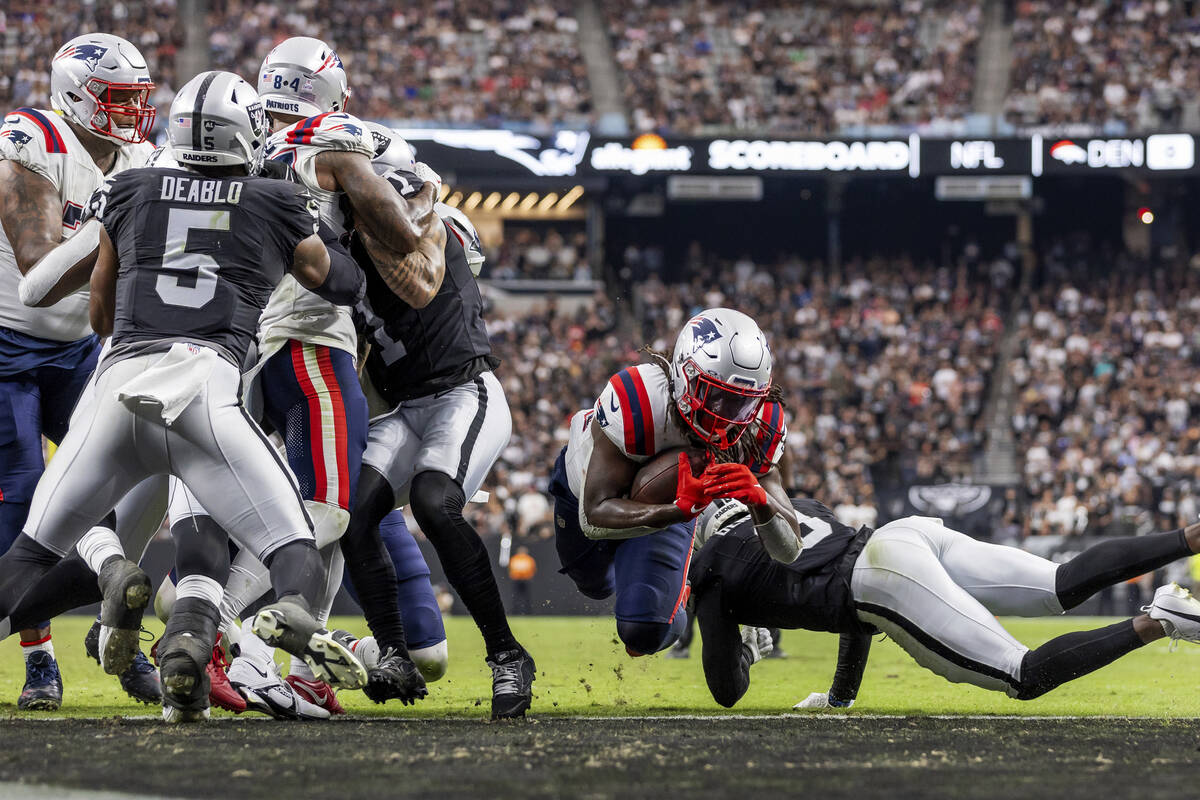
720	374
217	119
466	233
392	152
303	76
100	81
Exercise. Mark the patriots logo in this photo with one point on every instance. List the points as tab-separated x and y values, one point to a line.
91	53
330	62
18	138
353	130
704	331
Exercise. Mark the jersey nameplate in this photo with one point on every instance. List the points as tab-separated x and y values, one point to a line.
195	190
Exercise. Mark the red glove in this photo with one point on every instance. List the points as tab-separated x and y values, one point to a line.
737	483
690	496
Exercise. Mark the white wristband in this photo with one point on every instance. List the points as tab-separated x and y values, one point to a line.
49	270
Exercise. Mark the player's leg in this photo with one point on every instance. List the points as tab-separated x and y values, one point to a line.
1010	581
587	562
726	660
901	587
228	464
651	576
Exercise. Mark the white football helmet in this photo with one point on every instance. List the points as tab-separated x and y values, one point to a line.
217	119
465	230
100	81
720	374
303	76
392	152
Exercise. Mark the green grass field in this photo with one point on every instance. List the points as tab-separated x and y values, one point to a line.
583	671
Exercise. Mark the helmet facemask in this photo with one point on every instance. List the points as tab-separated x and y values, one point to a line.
717	412
103	121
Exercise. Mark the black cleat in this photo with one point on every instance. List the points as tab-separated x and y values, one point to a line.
185	684
126	590
43	684
395	678
512	683
289	625
140	681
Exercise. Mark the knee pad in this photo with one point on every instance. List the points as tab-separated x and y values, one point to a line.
329	521
644	638
435	500
431	660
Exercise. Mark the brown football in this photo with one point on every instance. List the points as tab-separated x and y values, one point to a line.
656	481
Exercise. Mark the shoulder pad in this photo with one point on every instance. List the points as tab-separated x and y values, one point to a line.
30	138
625	412
332	131
770	433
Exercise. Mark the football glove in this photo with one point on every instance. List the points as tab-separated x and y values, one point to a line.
737	483
818	701
759	642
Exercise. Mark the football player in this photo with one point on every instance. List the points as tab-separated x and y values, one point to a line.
307	347
715	394
51	161
446	424
188	259
933	590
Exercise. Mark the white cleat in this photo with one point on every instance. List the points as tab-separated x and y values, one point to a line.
174	716
1177	611
366	649
267	692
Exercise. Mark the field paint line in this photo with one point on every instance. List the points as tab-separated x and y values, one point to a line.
27	791
841	717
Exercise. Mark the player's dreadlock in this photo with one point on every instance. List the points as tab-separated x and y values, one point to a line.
740	452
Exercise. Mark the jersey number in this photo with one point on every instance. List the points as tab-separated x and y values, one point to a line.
194	281
817	528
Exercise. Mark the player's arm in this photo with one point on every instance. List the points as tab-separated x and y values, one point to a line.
606	507
726	660
327	270
414	277
774	520
102	302
394	221
853	650
31	213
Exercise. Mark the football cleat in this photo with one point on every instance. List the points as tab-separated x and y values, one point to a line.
265	691
140	681
366	649
289	625
126	590
220	691
43	684
319	693
678	651
513	673
1177	611
185	683
395	678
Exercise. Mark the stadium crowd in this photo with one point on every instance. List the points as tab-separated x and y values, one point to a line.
1103	414
1071	63
786	68
533	253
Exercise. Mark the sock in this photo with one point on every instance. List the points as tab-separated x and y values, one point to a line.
254	648
335	564
1116	560
248	581
99	545
1072	655
437	503
43	645
370	565
199	586
300	669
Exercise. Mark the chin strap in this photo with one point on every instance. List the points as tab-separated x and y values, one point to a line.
50	269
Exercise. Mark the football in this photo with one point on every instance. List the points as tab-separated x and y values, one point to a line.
657	480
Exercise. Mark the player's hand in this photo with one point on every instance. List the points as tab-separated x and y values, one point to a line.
426	174
737	483
690	495
759	642
819	701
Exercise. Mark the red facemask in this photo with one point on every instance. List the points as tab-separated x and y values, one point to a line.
138	109
718	412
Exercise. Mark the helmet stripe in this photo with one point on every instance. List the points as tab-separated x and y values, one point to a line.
54	142
198	111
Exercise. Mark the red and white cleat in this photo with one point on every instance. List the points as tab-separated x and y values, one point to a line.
319	693
221	692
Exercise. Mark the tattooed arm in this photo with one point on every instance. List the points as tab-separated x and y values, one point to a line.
397	223
415	277
31	213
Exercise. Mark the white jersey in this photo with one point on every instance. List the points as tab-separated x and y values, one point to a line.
42	142
293	312
633	412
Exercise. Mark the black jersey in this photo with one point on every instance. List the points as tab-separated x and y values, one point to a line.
422	351
813	592
198	257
